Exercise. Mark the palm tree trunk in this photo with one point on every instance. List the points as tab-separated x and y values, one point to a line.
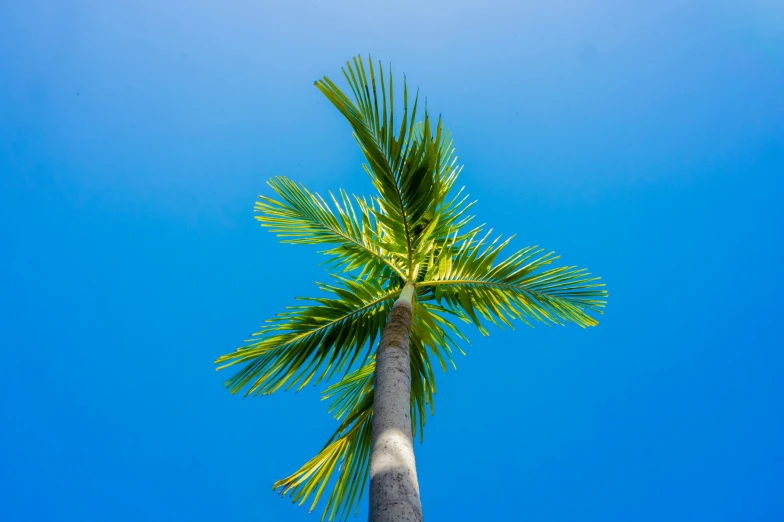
394	489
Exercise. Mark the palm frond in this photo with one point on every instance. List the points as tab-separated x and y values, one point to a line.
450	209
313	342
348	454
302	217
464	277
403	169
348	393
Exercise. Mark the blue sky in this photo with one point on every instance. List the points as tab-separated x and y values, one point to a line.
643	140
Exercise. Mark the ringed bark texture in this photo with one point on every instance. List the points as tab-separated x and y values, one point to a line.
394	489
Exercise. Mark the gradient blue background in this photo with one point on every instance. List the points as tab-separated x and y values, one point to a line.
643	140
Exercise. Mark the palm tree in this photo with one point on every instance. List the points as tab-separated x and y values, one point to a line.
408	268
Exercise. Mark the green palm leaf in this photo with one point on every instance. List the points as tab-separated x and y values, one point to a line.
450	209
301	217
464	277
314	341
348	454
401	167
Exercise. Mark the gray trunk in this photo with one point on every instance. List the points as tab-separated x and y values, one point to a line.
394	490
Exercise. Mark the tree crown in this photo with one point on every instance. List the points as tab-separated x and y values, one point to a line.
416	229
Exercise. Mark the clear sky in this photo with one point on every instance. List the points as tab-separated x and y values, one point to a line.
642	140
